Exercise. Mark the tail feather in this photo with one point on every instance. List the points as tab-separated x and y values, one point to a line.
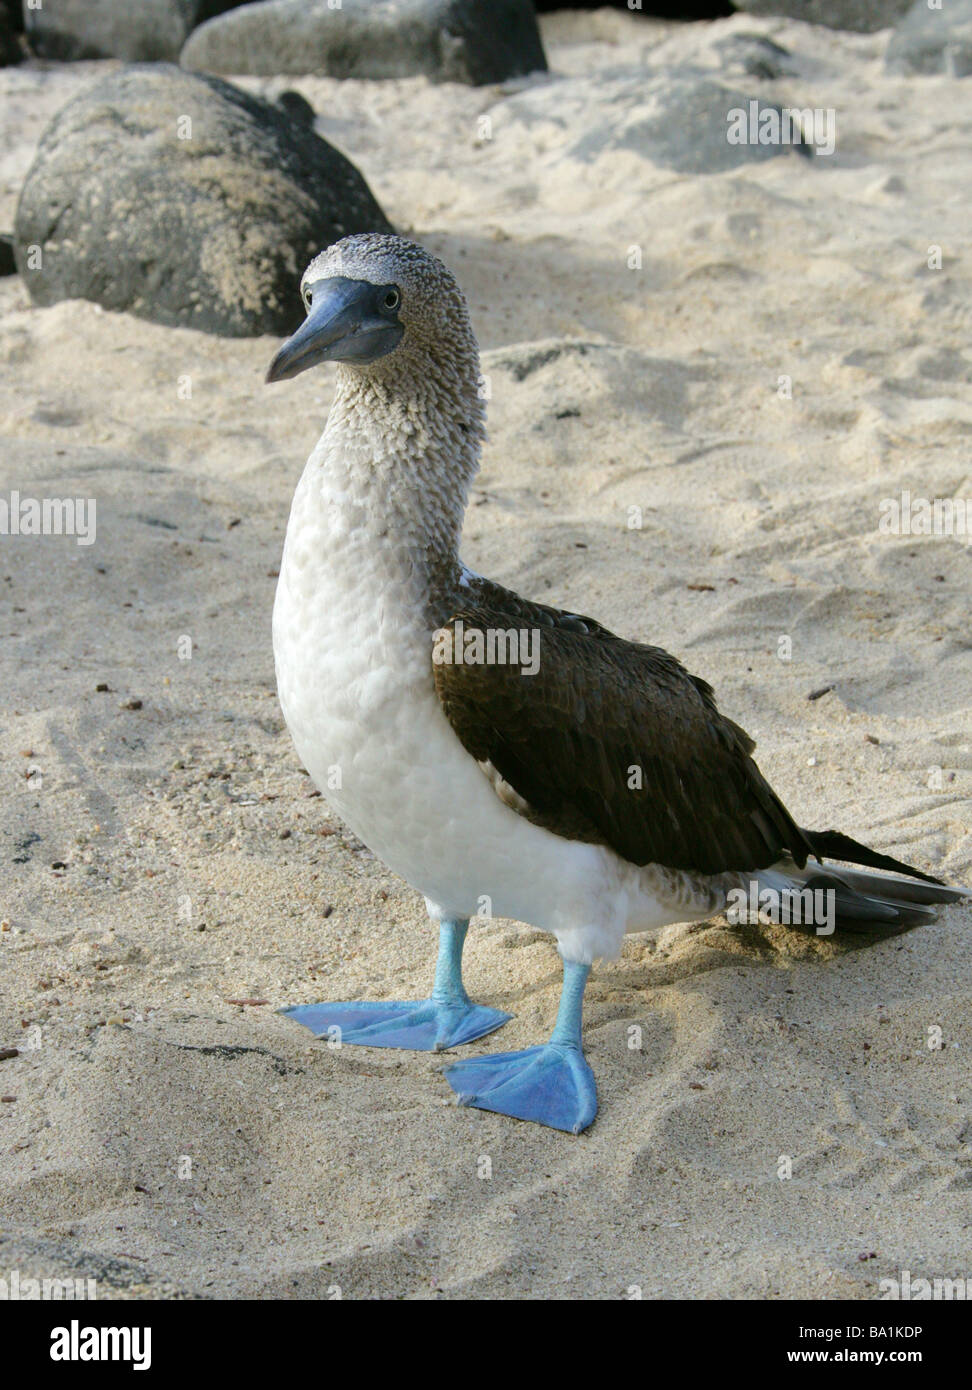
903	891
877	909
856	899
865	901
831	844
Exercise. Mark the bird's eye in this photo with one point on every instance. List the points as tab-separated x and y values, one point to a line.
308	298
392	299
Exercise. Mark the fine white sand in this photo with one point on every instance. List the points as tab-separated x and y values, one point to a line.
201	869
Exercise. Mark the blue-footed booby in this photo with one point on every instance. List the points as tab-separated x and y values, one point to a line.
487	748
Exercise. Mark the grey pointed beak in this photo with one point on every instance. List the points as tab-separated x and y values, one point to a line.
348	321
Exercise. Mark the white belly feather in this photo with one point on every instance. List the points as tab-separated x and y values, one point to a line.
354	676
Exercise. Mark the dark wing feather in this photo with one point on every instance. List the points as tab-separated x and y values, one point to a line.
571	739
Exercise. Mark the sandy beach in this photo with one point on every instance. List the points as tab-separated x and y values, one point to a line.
692	444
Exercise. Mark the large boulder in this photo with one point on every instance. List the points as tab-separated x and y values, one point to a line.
183	200
753	55
865	16
134	30
472	41
933	41
682	119
9	46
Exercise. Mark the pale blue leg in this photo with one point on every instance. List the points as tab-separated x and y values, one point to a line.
445	1019
551	1084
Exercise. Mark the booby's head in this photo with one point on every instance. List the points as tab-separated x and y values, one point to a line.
373	299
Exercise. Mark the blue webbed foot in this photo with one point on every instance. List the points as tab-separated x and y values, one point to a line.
425	1025
551	1084
446	1019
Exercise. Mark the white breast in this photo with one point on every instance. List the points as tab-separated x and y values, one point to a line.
352	654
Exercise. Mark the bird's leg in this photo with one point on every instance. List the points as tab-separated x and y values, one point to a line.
551	1084
447	987
446	1019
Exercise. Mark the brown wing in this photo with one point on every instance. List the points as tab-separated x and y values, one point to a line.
610	741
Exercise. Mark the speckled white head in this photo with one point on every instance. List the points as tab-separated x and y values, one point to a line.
407	419
377	299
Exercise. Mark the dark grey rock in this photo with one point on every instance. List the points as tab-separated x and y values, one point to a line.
472	41
8	265
753	55
679	119
9	43
297	107
863	15
932	42
183	200
134	30
687	128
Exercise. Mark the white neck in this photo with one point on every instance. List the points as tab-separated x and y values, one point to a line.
395	463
